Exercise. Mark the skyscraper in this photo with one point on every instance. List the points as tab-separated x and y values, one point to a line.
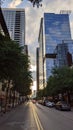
3	27
54	28
64	55
37	68
15	20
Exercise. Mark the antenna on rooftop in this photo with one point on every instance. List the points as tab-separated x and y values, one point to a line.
65	12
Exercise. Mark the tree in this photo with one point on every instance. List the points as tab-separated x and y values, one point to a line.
9	57
61	81
40	93
64	77
14	65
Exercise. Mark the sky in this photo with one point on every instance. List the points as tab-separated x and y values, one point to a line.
33	16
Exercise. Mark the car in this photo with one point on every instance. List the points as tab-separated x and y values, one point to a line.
62	105
50	104
45	101
34	101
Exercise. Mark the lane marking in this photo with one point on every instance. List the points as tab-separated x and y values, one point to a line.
37	120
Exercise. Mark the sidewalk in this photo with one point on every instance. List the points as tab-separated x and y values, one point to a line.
20	118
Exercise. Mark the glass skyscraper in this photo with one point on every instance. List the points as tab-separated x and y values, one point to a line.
15	21
55	29
64	55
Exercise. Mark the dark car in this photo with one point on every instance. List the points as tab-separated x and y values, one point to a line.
62	105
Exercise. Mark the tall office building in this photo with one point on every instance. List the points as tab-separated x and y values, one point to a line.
54	28
64	55
40	40
37	68
3	27
15	20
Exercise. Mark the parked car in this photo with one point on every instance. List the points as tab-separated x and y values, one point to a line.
50	104
45	101
62	105
34	101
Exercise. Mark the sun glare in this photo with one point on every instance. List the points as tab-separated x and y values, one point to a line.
34	86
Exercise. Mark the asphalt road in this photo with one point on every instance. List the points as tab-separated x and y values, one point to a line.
20	118
31	116
52	119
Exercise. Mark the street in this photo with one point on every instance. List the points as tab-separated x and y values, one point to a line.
52	119
20	118
31	116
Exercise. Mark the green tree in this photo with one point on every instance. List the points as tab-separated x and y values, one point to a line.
61	81
14	65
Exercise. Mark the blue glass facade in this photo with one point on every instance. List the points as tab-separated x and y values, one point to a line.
55	29
64	54
61	58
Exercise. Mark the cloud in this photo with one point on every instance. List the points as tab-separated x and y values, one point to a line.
33	70
32	19
33	67
34	86
14	3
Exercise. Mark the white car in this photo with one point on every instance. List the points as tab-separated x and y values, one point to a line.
50	104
